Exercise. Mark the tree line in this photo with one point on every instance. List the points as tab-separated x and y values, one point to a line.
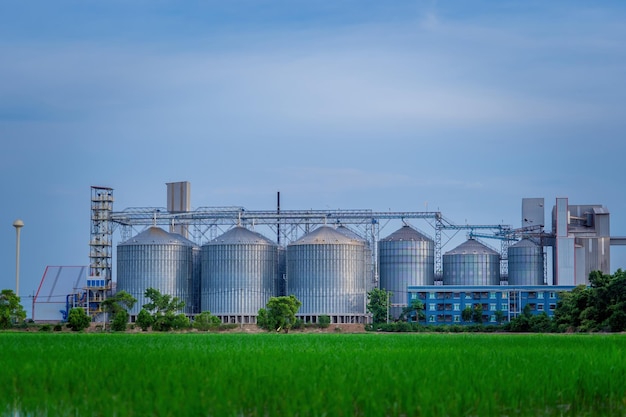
599	307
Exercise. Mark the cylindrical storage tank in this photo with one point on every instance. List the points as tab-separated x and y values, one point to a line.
325	271
471	263
405	257
367	255
239	275
525	260
156	259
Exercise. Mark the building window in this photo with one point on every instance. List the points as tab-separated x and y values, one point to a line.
505	295
492	295
457	307
505	307
413	296
492	307
540	295
432	307
457	319
552	295
457	295
540	307
431	295
552	307
431	319
468	296
532	294
492	319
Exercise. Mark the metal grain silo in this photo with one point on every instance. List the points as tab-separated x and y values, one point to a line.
325	271
471	263
239	275
367	255
525	260
405	257
156	259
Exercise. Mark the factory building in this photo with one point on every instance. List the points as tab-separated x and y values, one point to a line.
213	259
472	274
445	304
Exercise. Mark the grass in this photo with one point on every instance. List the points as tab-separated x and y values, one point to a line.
312	374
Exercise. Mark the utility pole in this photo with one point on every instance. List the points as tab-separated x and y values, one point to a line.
18	224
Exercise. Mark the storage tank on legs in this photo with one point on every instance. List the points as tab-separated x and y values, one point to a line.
471	263
156	259
325	271
239	274
405	257
526	266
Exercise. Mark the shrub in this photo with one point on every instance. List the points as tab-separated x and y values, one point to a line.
78	319
324	321
144	319
206	321
45	328
119	321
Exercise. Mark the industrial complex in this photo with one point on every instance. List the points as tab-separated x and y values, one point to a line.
230	260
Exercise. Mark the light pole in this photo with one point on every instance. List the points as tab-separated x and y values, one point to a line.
18	224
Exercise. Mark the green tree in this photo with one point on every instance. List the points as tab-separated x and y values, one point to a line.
118	306
206	321
11	311
120	320
163	308
415	309
500	316
279	314
467	314
78	319
477	314
144	319
540	323
599	307
378	304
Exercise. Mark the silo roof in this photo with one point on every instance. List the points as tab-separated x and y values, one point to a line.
241	236
325	235
349	233
525	243
406	233
472	246
157	236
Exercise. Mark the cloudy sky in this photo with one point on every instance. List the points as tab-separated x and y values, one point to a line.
462	107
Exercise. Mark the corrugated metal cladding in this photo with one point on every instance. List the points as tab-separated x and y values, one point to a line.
160	260
525	260
406	257
367	256
240	271
325	271
471	263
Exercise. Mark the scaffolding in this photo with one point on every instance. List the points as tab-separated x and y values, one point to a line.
99	281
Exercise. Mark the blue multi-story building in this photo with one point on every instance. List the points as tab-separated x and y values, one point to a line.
445	304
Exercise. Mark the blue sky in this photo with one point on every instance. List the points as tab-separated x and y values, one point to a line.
462	107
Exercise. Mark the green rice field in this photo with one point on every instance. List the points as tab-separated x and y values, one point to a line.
297	374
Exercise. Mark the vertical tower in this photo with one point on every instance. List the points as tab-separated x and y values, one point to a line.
179	201
99	281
